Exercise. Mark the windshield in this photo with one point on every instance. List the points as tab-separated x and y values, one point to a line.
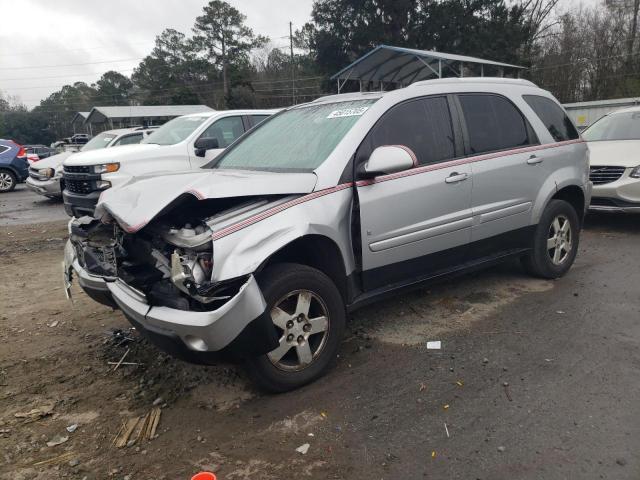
618	126
175	130
297	140
99	141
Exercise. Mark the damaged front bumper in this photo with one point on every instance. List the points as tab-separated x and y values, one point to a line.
241	327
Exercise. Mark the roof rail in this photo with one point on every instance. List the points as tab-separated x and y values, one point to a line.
348	96
498	80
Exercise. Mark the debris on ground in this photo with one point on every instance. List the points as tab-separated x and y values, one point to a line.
434	345
57	440
423	387
35	413
460	383
485	360
303	449
446	406
446	430
138	428
72	428
501	448
54	460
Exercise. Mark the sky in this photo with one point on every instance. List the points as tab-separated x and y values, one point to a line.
45	44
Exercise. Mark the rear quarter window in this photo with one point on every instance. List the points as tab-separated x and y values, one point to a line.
553	116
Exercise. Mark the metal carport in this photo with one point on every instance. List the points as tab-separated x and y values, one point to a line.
401	66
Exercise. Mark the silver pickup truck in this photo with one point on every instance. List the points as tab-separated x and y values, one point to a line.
328	206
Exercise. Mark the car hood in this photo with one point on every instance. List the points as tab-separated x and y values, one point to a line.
113	154
623	153
54	161
135	204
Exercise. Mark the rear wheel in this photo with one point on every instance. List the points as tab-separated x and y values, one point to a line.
308	312
556	241
8	181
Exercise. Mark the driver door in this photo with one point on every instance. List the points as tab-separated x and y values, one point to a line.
226	130
417	222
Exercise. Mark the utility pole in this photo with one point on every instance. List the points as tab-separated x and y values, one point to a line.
293	67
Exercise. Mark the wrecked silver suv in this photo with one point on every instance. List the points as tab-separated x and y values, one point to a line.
328	206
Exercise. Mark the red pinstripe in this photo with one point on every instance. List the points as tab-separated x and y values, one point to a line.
320	193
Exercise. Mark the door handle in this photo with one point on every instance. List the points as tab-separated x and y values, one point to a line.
534	160
456	177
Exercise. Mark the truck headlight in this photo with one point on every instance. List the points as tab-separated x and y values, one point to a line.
107	168
635	173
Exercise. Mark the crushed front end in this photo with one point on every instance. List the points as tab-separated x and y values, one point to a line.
161	279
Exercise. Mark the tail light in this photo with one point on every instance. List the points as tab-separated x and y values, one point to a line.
22	152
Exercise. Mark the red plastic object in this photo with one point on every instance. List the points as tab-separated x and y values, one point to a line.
204	476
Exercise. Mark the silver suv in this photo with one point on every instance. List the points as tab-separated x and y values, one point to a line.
329	205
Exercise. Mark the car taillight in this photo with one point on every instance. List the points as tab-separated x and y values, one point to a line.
22	153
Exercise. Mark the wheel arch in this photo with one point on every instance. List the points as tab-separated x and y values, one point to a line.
316	251
574	195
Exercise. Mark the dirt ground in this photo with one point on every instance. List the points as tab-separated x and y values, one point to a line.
63	398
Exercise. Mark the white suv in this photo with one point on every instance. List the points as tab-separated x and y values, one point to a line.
184	143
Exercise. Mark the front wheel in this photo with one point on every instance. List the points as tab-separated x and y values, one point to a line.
309	314
555	242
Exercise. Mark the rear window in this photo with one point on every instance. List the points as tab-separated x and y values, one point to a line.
493	123
553	117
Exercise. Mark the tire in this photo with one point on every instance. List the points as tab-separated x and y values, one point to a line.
8	181
548	257
306	352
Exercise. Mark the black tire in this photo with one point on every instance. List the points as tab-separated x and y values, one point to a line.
279	284
8	181
539	262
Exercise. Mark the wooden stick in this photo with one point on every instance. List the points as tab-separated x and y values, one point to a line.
121	360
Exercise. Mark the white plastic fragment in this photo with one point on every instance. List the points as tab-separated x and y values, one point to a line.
72	428
303	449
434	345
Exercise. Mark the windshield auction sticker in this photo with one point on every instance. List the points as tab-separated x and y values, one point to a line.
348	112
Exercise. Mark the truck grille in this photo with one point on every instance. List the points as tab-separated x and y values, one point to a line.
35	174
602	175
79	186
78	169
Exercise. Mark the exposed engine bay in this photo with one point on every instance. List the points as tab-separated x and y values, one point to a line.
171	259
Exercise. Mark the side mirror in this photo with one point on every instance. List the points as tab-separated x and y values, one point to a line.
389	159
204	144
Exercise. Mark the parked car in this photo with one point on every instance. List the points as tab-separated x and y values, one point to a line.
614	145
13	165
45	177
41	151
79	138
328	206
183	143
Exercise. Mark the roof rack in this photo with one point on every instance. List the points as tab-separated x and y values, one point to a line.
499	80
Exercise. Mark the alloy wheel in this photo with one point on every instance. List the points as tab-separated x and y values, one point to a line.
559	241
6	181
303	320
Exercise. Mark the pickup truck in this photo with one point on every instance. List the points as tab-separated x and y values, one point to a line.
184	143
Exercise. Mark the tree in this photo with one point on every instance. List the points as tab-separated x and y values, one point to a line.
172	73
220	31
343	30
113	89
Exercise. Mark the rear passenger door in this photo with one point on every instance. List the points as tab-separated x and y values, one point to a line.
416	222
506	175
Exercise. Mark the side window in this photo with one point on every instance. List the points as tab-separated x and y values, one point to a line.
226	130
256	119
3	148
129	140
553	117
493	123
423	125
